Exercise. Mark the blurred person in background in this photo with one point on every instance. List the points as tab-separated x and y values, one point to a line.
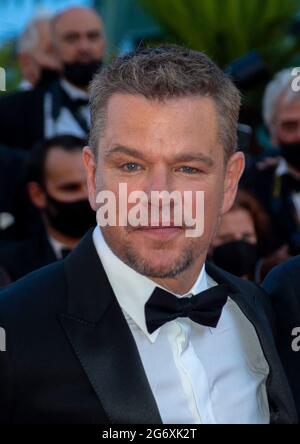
57	189
61	106
38	63
275	181
283	285
242	238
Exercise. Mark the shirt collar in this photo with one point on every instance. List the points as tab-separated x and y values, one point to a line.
132	289
73	91
57	246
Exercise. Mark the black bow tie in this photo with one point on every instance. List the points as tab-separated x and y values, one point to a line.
204	308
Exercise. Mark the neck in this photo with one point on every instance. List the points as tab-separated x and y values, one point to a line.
69	242
182	283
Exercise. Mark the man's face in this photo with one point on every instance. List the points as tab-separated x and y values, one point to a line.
79	36
236	225
65	178
162	146
287	124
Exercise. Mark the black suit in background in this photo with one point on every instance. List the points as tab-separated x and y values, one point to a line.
21	258
274	193
12	190
283	285
22	118
71	357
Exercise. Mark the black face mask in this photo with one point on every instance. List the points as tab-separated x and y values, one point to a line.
81	74
72	219
291	153
237	257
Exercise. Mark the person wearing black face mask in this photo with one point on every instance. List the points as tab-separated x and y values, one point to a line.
242	238
57	189
274	176
54	107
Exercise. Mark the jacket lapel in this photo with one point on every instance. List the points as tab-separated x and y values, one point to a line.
281	403
102	341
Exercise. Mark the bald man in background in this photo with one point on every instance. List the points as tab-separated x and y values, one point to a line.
61	106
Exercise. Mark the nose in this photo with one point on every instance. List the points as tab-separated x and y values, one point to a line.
84	46
158	179
237	236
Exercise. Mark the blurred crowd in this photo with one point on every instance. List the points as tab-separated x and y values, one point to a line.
44	209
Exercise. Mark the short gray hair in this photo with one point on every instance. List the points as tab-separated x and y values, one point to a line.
279	87
163	73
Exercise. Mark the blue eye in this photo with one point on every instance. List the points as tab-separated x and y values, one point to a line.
131	167
188	169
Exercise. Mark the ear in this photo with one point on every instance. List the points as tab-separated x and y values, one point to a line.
234	170
37	195
90	167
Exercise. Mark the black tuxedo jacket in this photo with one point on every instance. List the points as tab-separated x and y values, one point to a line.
283	284
23	257
71	357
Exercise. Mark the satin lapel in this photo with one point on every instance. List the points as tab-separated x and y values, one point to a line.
103	343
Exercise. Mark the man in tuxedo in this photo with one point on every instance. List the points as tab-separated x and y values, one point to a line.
283	284
56	185
134	326
61	106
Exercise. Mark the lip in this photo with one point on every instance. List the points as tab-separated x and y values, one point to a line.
160	232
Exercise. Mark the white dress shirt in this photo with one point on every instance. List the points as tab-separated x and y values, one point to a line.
197	374
66	122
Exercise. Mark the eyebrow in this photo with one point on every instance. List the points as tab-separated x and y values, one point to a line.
73	33
186	157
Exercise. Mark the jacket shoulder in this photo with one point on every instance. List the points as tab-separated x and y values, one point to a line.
287	273
39	292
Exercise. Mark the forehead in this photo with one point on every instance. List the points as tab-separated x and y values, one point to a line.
237	219
77	20
43	28
164	126
64	165
288	110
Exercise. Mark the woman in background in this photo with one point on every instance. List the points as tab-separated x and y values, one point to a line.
243	241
